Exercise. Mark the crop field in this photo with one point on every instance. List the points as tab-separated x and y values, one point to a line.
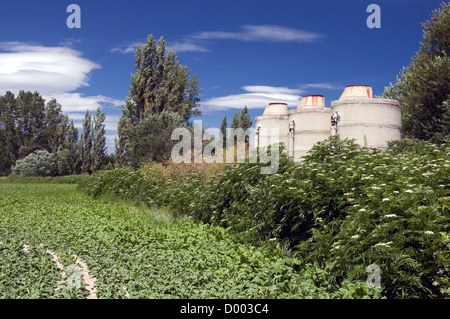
51	236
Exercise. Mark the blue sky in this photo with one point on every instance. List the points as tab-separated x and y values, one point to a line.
244	52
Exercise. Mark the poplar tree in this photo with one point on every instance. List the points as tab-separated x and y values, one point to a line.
159	86
99	158
86	144
9	140
121	142
242	120
53	120
223	131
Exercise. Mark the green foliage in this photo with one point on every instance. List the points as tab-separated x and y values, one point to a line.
28	124
86	144
67	179
162	97
160	84
98	141
242	119
28	275
423	87
9	141
38	163
150	140
223	132
343	206
138	253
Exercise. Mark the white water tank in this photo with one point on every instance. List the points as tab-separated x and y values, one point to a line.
371	121
311	124
272	126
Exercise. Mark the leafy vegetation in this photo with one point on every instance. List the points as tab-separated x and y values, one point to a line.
38	163
162	96
137	252
423	87
28	124
344	206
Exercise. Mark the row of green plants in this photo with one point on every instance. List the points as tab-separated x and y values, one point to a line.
68	179
137	252
344	207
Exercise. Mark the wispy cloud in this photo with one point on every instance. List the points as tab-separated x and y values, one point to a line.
185	46
271	33
198	42
77	102
322	86
125	48
257	96
55	72
45	69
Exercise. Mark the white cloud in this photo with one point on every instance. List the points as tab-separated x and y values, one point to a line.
258	33
185	46
125	48
257	97
55	72
271	33
44	69
176	46
110	120
76	102
271	89
324	86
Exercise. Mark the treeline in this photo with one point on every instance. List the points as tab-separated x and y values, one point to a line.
28	124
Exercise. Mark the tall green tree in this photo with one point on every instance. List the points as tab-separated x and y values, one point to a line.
423	87
161	84
9	139
242	120
159	87
121	142
27	124
68	155
223	131
30	122
86	144
53	120
99	158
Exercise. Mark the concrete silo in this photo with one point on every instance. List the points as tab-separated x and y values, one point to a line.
371	121
308	124
272	126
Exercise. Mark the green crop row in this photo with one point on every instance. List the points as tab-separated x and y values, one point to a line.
344	206
68	179
136	252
